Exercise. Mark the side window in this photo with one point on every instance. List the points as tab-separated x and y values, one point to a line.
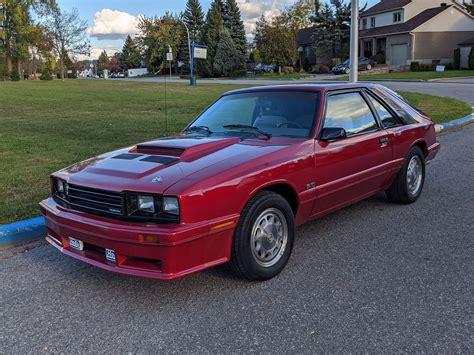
385	116
351	112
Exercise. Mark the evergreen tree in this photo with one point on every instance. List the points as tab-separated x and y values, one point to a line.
213	27
194	18
131	56
234	24
324	27
226	61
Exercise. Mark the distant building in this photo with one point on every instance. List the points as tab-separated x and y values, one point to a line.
308	56
136	72
414	30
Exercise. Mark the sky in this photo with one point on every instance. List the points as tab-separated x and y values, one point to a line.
110	21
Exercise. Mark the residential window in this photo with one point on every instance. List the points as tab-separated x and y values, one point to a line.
351	112
397	17
364	23
372	22
307	52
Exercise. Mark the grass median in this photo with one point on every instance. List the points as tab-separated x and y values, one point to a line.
425	75
45	126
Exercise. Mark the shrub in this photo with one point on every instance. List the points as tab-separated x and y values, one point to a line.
379	58
46	73
14	76
471	59
457	58
324	69
287	70
449	66
415	66
4	74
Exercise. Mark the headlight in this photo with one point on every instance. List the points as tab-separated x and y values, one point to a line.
163	209
60	187
171	205
146	204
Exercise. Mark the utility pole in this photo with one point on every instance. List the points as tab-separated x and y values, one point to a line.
354	46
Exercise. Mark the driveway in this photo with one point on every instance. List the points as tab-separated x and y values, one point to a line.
374	277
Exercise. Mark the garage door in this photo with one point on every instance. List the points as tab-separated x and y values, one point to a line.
399	54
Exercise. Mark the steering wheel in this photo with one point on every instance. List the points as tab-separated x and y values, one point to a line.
297	125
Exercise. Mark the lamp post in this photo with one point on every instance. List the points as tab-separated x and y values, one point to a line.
190	55
354	46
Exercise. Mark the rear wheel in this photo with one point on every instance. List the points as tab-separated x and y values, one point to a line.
263	240
368	67
347	71
410	180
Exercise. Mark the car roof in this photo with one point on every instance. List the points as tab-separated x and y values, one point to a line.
309	87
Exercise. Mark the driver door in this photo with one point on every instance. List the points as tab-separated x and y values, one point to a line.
351	168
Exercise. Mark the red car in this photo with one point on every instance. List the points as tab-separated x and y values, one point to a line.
233	185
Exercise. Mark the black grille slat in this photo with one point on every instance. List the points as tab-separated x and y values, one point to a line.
94	200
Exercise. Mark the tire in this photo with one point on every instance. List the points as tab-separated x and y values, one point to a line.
368	67
257	254
409	183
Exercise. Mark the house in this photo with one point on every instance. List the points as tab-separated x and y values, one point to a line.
425	31
308	56
466	47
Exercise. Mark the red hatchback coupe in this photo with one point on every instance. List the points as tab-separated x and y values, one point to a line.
232	186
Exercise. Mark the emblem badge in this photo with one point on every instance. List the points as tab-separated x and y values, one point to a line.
156	179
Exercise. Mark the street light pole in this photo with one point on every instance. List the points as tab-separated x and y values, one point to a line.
189	48
354	47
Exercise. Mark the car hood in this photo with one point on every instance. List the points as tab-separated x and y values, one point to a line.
156	165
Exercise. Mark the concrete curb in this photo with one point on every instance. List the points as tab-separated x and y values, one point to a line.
20	232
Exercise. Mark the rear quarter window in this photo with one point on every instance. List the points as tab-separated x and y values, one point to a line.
403	109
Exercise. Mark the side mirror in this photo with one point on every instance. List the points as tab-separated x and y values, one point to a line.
331	133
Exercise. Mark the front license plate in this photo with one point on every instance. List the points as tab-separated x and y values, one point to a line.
110	255
76	243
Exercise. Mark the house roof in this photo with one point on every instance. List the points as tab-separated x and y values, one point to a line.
467	42
404	27
386	5
305	36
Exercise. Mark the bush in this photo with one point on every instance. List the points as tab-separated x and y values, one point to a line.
14	76
415	66
46	73
287	70
457	58
4	74
449	66
379	58
320	69
471	59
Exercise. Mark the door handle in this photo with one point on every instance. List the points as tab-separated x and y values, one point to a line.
383	140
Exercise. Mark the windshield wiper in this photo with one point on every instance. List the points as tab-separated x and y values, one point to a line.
198	129
244	126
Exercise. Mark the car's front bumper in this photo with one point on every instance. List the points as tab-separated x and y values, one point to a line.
160	252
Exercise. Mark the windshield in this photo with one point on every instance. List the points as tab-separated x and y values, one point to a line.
277	113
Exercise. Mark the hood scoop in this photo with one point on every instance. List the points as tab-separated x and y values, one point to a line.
184	149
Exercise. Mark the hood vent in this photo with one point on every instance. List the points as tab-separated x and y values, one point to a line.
157	150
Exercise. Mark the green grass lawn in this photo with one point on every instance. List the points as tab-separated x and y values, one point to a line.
45	126
424	75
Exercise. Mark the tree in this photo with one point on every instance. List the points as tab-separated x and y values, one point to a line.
471	59
158	35
18	26
457	58
226	61
67	33
131	56
193	16
324	26
116	63
234	24
212	29
103	63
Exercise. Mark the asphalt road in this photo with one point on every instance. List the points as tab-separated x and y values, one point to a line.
373	277
462	89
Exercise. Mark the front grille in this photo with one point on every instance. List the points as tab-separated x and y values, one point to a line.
92	200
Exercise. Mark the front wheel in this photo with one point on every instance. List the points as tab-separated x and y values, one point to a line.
410	180
264	237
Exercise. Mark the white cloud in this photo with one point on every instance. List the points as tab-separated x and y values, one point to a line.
252	9
112	24
96	51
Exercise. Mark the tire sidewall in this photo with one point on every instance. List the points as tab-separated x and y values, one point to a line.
414	151
244	230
